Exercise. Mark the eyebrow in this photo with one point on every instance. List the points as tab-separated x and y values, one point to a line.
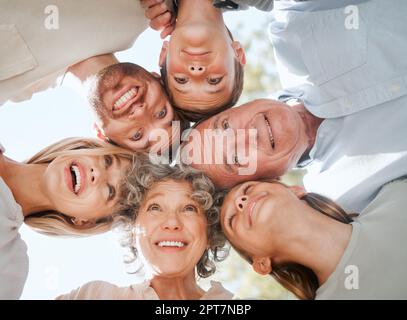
116	163
210	92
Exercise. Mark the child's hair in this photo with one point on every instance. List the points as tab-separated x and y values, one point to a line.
296	278
195	116
56	223
140	180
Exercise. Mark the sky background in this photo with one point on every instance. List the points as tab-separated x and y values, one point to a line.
60	265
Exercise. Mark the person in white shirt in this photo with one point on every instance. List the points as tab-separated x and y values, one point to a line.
174	233
314	248
81	38
71	188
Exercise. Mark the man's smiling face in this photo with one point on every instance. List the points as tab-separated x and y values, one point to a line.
131	103
281	141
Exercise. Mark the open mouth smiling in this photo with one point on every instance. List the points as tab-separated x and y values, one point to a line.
75	178
270	133
171	245
127	100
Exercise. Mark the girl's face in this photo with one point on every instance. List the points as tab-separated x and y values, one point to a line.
171	229
85	187
248	211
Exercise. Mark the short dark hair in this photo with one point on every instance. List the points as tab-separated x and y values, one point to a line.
195	115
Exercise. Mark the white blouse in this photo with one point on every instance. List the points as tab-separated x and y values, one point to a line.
13	250
101	290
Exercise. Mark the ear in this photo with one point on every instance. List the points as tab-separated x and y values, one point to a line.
262	265
83	223
163	53
298	191
239	52
99	133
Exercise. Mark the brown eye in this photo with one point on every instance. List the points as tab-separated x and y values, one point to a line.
112	192
154	207
162	113
214	81
191	208
137	136
108	161
181	80
225	125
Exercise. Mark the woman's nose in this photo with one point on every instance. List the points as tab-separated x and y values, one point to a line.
95	175
241	203
196	70
172	223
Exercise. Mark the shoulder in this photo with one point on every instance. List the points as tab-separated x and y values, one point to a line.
390	199
11	215
102	290
217	292
94	290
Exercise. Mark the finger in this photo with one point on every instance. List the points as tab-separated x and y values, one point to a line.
161	21
149	3
167	31
155	11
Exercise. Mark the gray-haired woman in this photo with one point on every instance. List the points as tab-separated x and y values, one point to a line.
175	227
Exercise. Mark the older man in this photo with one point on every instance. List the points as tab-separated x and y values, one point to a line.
351	116
41	42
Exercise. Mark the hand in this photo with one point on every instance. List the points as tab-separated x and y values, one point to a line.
160	16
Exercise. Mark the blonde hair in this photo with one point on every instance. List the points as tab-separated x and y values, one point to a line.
55	223
296	278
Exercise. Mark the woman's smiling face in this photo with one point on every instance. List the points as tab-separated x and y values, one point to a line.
248	211
171	229
85	187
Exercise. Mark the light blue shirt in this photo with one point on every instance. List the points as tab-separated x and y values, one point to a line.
335	69
357	81
353	156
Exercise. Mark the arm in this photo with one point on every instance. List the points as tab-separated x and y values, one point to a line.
86	68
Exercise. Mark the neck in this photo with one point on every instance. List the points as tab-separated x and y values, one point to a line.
199	11
26	183
178	288
311	123
311	239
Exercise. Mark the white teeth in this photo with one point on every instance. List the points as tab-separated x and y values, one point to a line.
270	133
77	173
125	97
178	244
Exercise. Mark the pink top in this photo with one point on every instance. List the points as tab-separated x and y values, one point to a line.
101	290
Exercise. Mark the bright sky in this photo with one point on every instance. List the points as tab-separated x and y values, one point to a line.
60	265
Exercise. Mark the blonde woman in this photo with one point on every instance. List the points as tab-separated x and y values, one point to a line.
313	248
70	188
175	233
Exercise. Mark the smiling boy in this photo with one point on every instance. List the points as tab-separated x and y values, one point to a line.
202	65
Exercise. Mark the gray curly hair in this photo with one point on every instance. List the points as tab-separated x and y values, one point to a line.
141	178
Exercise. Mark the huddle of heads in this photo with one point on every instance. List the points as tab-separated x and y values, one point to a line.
176	209
160	207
